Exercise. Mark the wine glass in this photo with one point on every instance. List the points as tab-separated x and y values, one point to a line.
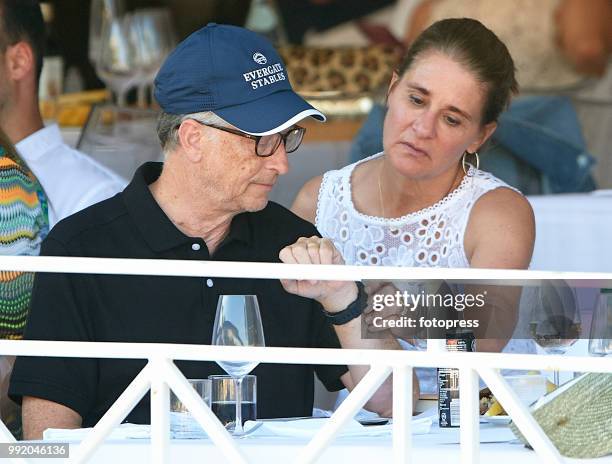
101	13
154	38
116	65
600	340
555	319
238	323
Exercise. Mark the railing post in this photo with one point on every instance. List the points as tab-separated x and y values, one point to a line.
469	414
113	417
160	406
347	410
402	414
202	414
525	422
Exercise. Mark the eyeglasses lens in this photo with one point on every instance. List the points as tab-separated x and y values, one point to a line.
294	139
268	144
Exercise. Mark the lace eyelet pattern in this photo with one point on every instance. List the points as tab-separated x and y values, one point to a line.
430	237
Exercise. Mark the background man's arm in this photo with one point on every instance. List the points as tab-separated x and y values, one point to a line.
38	415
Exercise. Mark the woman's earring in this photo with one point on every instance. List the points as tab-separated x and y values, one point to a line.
464	163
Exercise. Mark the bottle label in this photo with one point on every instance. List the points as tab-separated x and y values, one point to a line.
448	382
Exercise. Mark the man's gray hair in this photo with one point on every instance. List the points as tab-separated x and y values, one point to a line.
168	124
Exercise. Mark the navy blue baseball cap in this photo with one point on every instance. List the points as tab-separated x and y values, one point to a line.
235	73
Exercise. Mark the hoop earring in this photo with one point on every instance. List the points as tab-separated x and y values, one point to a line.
464	163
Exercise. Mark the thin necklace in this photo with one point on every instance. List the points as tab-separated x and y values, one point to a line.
380	195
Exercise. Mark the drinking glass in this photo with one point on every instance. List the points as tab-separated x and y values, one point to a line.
101	13
600	340
181	420
118	57
153	36
223	398
555	319
238	323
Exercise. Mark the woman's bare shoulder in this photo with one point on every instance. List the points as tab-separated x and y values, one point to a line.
305	203
495	202
501	230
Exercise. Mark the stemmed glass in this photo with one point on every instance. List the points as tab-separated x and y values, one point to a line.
101	13
555	319
116	65
600	340
238	323
154	38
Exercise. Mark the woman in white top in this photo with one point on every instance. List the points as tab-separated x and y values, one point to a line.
420	202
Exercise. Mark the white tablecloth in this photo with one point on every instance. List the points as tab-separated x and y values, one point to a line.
267	450
573	232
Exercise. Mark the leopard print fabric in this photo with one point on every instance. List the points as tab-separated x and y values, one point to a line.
349	71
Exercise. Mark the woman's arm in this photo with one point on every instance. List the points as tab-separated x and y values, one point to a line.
305	203
501	231
500	235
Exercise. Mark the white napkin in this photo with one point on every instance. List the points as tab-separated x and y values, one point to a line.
137	431
489	433
307	428
446	436
182	426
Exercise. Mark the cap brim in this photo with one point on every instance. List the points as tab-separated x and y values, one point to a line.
270	114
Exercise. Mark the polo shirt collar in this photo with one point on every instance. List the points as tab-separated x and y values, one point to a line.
157	229
36	145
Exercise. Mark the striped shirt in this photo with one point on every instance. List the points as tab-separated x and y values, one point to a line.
23	226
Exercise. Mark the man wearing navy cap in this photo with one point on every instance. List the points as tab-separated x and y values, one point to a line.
229	119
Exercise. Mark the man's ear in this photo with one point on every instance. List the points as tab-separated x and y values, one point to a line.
19	61
485	132
190	139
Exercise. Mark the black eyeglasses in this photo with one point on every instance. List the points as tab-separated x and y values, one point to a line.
266	145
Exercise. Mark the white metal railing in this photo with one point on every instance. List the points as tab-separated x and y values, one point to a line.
160	373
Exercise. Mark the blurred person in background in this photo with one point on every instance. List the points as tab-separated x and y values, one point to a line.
581	30
71	180
23	226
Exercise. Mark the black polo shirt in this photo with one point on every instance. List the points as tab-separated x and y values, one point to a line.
121	308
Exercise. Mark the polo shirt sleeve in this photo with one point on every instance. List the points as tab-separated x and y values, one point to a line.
325	337
57	313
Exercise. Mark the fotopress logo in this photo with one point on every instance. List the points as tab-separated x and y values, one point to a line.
259	58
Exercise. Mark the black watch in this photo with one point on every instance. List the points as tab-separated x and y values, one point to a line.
355	309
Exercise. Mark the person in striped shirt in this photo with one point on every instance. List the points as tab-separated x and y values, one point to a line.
24	224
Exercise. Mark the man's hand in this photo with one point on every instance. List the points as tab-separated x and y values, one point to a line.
333	295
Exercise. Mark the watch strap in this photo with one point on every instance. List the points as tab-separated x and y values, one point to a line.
353	310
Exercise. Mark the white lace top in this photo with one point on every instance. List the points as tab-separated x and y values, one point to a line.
431	237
